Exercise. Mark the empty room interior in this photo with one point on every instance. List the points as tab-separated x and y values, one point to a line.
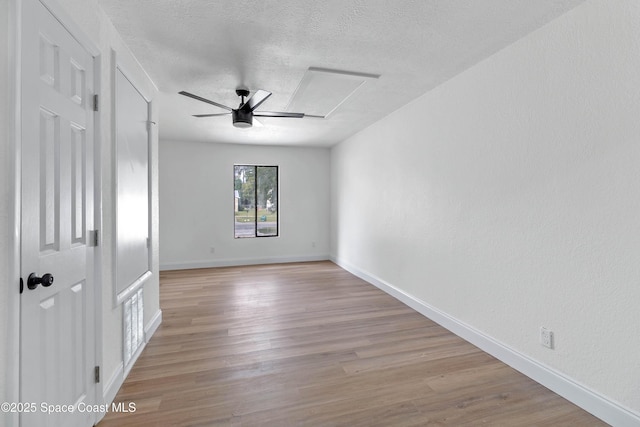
336	213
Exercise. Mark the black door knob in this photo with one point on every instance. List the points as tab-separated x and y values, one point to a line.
33	281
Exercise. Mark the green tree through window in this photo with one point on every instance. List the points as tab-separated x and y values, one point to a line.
256	201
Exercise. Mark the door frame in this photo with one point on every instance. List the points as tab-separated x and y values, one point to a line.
13	363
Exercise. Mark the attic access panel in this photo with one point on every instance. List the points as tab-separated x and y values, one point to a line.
321	91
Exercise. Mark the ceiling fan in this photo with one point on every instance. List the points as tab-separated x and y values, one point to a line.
243	115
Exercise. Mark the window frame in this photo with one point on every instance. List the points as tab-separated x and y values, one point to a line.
255	198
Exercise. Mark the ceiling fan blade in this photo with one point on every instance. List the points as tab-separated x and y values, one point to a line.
211	115
258	98
278	114
199	98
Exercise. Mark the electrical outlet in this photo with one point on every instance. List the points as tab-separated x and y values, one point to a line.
212	250
546	337
313	244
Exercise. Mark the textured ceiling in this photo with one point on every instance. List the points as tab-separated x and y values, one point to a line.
210	47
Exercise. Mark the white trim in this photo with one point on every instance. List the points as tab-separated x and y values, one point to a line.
231	262
99	226
14	151
133	360
133	287
117	66
153	325
584	397
112	386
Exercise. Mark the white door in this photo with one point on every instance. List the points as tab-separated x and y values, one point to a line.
57	347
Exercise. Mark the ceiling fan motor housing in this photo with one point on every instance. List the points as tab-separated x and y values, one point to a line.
242	119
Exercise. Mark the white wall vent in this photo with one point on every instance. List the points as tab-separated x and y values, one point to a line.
133	334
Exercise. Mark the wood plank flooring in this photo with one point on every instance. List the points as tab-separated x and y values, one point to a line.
309	344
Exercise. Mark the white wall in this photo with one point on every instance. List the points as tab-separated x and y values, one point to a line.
196	205
509	198
87	17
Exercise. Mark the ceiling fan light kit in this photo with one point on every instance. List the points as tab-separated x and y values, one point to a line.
242	119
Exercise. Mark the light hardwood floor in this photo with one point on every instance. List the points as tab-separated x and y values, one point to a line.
310	344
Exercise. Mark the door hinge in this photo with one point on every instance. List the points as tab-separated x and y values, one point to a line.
96	373
21	285
93	237
95	102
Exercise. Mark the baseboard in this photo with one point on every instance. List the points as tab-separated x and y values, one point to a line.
117	378
110	390
149	330
231	262
153	325
593	402
133	360
113	385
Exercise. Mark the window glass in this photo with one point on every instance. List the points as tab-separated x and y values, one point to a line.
256	201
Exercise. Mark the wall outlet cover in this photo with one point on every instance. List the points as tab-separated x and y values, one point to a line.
546	337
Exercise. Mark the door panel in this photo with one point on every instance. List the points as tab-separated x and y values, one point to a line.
78	187
57	322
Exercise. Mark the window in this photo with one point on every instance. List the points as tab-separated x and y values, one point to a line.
256	201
